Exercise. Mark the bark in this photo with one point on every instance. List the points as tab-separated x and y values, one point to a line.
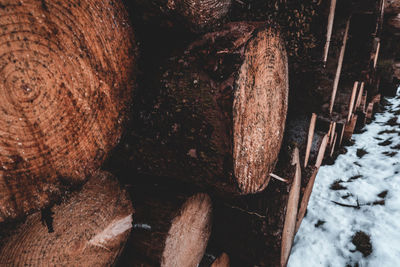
196	15
171	229
218	114
88	229
250	228
66	80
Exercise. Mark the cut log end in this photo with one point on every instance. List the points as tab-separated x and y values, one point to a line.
65	85
259	110
189	233
88	229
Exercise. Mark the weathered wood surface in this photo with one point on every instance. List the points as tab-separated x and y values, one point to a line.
218	112
89	228
289	228
196	15
66	79
172	226
221	261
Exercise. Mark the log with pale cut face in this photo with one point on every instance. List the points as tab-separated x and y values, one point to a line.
217	111
90	228
65	83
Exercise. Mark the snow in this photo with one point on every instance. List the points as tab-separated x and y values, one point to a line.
329	243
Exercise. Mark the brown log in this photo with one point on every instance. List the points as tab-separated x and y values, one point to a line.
172	227
339	67
66	80
342	134
377	54
221	261
219	113
249	228
291	211
349	128
352	99
310	138
195	15
88	229
305	199
369	111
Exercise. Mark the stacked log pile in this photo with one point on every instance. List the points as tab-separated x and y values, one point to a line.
218	155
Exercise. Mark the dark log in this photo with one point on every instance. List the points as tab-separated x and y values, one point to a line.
88	229
349	128
250	228
195	15
172	227
218	115
66	80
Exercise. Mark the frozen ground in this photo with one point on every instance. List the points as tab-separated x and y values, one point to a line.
369	184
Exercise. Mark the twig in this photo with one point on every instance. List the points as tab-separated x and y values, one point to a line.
279	178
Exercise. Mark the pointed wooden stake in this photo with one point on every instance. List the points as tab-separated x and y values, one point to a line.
332	133
321	152
306	199
341	135
352	98
329	31
359	97
310	138
339	67
333	145
291	211
377	54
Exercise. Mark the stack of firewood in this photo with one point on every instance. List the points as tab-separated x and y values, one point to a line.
212	176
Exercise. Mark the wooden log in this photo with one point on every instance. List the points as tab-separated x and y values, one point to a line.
291	211
221	261
329	30
310	138
339	67
305	199
363	102
321	152
370	110
352	99
349	128
249	228
359	97
197	16
66	80
88	229
172	226
219	112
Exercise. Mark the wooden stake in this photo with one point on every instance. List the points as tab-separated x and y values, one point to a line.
339	67
310	138
341	135
333	145
352	98
359	97
291	211
321	151
349	128
377	54
330	130
329	30
332	133
306	199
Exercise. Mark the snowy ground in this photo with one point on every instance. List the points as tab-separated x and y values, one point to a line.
370	185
